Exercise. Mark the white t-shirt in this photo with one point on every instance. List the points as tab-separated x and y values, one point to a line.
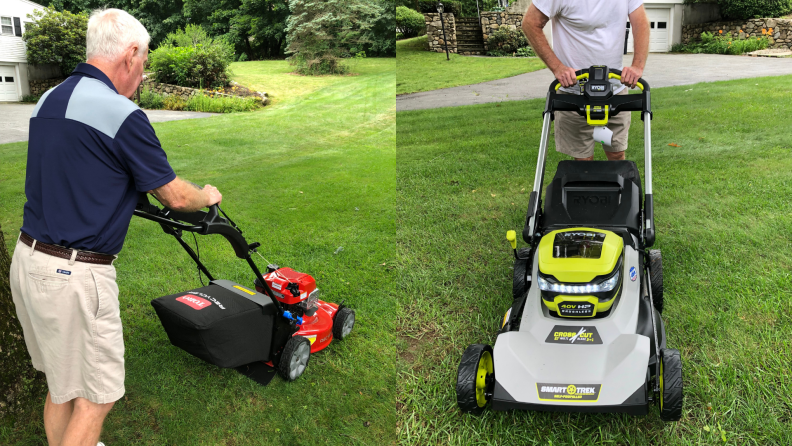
589	32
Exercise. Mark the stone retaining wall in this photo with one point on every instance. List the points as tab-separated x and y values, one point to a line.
780	38
186	92
38	88
490	21
434	32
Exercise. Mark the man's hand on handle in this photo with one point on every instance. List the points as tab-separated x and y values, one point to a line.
185	196
630	76
566	76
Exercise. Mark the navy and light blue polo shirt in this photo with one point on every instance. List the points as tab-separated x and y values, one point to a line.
90	152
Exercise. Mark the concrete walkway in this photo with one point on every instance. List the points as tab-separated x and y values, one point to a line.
662	70
15	119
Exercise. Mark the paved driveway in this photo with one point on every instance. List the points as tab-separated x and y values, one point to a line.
662	70
15	117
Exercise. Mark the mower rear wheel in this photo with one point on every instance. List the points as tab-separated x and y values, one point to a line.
343	323
475	379
519	284
656	278
671	395
294	358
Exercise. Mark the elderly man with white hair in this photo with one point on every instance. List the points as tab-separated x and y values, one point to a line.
91	152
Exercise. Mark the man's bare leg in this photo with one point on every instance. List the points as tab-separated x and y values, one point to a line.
85	424
591	158
615	156
56	418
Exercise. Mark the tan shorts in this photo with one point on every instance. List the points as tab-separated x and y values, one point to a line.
72	324
574	137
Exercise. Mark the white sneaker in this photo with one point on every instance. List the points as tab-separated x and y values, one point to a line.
100	444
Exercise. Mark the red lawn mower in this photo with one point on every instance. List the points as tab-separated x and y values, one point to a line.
278	323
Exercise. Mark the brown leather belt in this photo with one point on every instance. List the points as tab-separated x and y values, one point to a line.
64	253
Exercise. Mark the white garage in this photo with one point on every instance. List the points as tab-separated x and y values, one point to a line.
10	88
661	23
13	61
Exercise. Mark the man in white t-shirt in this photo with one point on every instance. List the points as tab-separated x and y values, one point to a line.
586	33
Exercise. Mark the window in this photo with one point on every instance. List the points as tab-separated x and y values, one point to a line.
628	25
651	25
661	25
17	27
9	79
6	26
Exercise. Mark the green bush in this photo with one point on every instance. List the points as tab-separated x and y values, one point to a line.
506	40
31	98
526	51
151	100
399	36
191	58
723	44
754	9
56	38
409	22
450	7
221	104
242	57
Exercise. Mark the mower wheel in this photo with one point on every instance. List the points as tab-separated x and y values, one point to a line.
519	284
343	323
294	358
671	395
656	278
475	379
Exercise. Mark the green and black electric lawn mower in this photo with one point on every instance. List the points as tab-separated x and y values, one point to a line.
584	332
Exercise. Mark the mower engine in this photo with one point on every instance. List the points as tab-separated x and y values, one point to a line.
296	291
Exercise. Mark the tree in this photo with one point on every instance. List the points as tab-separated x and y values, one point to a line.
19	381
381	38
409	22
751	9
322	32
56	38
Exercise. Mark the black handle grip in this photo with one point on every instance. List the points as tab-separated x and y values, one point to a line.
612	70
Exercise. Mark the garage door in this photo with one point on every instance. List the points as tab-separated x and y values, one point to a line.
659	27
8	84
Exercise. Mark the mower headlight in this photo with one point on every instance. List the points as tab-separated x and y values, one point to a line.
604	286
313	299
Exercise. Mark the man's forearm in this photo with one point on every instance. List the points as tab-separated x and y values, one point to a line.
640	26
533	25
181	195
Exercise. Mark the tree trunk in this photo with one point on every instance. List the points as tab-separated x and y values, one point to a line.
19	381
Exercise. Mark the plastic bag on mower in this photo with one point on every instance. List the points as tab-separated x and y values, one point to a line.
224	324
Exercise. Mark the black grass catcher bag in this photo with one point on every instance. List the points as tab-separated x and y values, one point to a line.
224	323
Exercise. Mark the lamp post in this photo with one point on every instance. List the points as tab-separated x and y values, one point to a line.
442	24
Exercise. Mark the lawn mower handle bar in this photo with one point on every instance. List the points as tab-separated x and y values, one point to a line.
204	223
577	103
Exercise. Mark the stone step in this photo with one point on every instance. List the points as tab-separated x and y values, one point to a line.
469	33
470	47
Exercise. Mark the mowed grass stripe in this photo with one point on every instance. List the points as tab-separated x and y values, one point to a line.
305	178
421	70
723	224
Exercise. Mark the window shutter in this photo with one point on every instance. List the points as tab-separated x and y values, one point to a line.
17	27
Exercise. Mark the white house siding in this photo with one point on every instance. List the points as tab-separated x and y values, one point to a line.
12	47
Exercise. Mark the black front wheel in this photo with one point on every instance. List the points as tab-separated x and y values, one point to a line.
475	379
520	283
294	358
343	323
671	395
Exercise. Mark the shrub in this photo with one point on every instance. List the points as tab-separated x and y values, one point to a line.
221	104
56	38
409	22
449	7
242	57
506	40
151	100
399	36
31	98
753	9
526	52
723	44
173	102
191	58
321	33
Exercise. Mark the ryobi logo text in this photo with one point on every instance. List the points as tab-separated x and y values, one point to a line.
194	302
568	392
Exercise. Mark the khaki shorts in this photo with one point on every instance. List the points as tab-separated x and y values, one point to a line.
72	324
574	137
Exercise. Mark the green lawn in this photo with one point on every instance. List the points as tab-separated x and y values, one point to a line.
723	223
276	77
420	70
304	180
